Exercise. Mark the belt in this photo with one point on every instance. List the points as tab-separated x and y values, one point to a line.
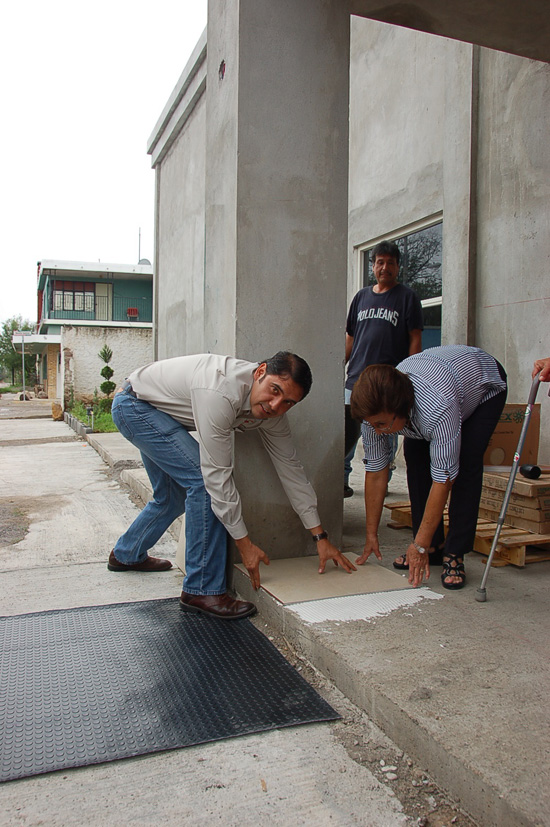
127	386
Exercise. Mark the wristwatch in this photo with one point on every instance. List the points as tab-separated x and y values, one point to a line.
322	536
419	549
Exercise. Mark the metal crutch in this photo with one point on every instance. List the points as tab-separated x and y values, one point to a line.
481	593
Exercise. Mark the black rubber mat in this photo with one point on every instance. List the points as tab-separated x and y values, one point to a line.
84	686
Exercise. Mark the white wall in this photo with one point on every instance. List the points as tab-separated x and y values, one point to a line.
80	346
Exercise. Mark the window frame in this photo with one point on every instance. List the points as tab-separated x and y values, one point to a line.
408	229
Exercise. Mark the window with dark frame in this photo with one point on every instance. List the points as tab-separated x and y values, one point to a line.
73	296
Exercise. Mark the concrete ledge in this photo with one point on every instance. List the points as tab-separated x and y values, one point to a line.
115	450
77	425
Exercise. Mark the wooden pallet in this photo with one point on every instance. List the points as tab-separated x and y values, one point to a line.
515	546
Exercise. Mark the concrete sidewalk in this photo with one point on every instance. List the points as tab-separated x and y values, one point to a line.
458	685
11	407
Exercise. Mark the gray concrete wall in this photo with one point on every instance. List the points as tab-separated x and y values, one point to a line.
464	130
459	77
177	148
506	25
276	229
258	158
513	304
396	128
222	152
179	309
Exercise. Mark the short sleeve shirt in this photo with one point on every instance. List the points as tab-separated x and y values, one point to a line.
379	324
449	383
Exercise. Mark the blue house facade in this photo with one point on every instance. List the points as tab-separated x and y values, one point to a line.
83	306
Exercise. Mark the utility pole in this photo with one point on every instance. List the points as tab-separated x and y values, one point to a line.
22	334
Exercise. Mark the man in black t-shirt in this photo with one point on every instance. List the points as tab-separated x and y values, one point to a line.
384	326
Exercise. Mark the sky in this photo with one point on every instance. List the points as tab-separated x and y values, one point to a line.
82	87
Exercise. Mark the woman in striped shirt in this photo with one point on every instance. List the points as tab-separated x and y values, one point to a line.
446	401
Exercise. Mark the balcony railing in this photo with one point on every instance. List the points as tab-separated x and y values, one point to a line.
104	309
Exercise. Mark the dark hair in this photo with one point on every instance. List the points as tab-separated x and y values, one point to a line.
382	389
289	365
385	248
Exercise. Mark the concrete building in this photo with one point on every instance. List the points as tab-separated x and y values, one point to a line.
81	307
301	133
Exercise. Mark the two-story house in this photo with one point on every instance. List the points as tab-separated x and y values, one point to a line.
83	306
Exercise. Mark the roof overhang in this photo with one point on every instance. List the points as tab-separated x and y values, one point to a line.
506	25
33	342
75	270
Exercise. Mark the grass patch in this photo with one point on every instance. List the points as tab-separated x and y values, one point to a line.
103	421
12	389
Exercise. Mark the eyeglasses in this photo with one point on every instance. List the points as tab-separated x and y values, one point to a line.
380	426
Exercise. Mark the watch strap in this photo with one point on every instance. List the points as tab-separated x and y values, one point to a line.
322	536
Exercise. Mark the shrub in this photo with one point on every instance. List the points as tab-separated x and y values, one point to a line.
107	387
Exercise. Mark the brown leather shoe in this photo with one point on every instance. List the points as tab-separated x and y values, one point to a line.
149	564
221	606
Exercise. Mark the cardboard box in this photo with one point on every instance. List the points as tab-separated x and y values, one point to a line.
536	515
522	486
516	522
504	441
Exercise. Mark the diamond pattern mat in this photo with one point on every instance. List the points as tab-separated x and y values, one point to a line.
95	684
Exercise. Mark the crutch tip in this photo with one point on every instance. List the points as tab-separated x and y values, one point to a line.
481	595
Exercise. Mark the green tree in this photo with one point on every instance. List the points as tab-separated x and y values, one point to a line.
106	354
10	360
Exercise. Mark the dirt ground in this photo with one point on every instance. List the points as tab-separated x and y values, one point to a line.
14	521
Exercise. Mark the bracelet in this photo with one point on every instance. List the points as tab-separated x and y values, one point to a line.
322	536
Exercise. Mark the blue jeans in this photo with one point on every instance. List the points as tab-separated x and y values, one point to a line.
171	458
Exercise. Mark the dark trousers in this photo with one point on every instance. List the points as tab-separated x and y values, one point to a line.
466	490
352	431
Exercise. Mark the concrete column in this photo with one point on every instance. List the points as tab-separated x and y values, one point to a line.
460	194
276	230
52	352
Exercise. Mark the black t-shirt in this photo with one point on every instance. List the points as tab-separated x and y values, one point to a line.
380	324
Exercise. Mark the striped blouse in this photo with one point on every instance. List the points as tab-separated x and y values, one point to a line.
449	382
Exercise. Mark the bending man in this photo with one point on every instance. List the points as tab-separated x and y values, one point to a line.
446	401
214	396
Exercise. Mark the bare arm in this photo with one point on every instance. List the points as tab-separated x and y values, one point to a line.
349	345
376	483
415	342
433	512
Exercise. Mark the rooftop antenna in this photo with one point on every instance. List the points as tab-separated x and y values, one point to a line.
139	245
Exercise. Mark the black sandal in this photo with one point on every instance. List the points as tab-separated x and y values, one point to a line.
453	568
401	565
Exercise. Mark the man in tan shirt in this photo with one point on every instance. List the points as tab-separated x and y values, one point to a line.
213	396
